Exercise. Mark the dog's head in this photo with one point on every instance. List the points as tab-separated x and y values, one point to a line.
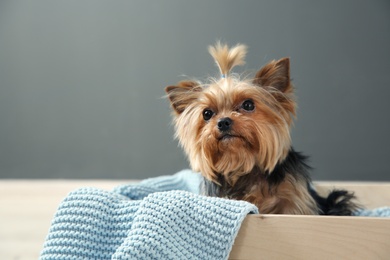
229	126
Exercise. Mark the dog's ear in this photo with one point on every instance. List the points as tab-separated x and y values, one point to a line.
275	74
183	94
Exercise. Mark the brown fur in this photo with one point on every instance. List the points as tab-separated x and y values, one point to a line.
263	135
289	197
240	163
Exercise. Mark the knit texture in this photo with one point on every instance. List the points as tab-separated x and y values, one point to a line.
158	218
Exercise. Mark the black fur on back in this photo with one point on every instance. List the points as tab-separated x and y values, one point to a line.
295	164
338	202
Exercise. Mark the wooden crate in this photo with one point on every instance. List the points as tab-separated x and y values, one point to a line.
319	237
27	207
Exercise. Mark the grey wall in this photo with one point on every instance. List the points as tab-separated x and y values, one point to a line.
81	81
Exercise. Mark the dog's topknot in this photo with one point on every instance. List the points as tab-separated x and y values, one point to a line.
227	58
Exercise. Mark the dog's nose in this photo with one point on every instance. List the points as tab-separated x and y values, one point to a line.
224	124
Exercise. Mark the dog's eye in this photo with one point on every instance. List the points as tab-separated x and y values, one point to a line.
207	114
248	105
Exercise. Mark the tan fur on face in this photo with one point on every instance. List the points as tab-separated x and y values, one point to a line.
263	134
263	137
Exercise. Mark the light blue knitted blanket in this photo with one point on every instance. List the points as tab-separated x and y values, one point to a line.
158	218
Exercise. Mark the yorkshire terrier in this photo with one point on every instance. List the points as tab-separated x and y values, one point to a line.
236	133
